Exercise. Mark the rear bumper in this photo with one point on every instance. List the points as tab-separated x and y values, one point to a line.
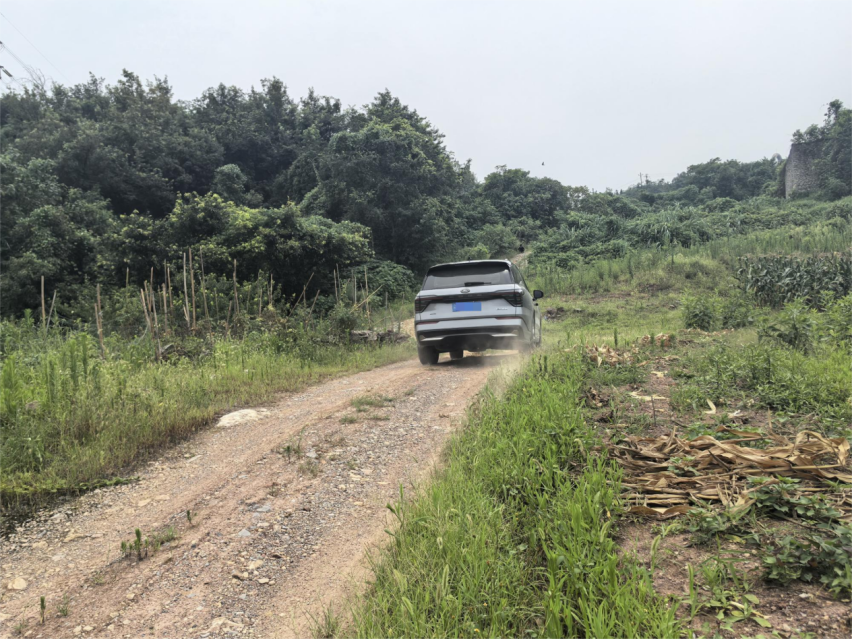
471	335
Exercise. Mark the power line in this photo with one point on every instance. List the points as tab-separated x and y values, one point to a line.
32	45
3	69
3	47
10	77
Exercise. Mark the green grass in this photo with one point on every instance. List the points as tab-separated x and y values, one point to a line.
771	377
601	318
514	535
71	419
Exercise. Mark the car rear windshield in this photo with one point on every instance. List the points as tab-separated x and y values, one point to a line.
467	275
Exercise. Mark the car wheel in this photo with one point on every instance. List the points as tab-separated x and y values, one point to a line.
456	354
428	356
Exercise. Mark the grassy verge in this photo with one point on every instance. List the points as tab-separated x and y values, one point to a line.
767	376
763	371
71	419
514	537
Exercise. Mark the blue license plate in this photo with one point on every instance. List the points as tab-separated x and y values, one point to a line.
466	306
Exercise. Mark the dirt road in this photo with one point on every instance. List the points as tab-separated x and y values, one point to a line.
284	501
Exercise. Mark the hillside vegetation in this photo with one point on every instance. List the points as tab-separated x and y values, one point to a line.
103	183
675	462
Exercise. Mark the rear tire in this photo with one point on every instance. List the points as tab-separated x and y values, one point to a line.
456	354
428	356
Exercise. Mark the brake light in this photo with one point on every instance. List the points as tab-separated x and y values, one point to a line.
515	298
422	303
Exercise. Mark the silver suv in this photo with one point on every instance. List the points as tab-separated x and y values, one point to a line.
474	306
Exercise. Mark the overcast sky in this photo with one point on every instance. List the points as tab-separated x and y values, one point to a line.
598	91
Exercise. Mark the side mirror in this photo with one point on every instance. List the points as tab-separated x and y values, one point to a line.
537	295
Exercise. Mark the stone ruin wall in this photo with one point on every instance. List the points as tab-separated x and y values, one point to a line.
799	173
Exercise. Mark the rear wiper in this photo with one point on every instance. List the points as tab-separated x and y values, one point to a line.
477	283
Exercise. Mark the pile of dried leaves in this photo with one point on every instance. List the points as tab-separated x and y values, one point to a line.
605	354
665	475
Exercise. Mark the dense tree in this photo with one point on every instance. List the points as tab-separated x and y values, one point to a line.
390	177
703	182
835	165
100	183
517	195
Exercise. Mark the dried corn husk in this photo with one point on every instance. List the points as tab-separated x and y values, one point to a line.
716	470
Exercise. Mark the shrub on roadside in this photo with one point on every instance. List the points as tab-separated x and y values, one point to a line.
699	312
794	327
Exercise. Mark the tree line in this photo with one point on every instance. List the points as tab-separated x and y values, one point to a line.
101	183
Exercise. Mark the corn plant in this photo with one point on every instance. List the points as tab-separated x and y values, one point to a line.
776	280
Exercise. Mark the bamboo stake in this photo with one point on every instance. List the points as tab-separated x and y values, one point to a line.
228	318
43	315
185	294
260	297
270	291
148	322
145	309
192	280
153	297
365	300
50	312
169	285
247	305
165	309
311	312
305	288
367	292
236	294
98	311
204	288
150	296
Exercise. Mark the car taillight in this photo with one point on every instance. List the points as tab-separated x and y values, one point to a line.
515	298
422	303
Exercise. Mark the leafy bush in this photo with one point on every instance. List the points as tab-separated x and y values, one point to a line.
793	327
823	558
736	311
706	524
387	277
780	498
699	312
498	239
835	325
342	319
